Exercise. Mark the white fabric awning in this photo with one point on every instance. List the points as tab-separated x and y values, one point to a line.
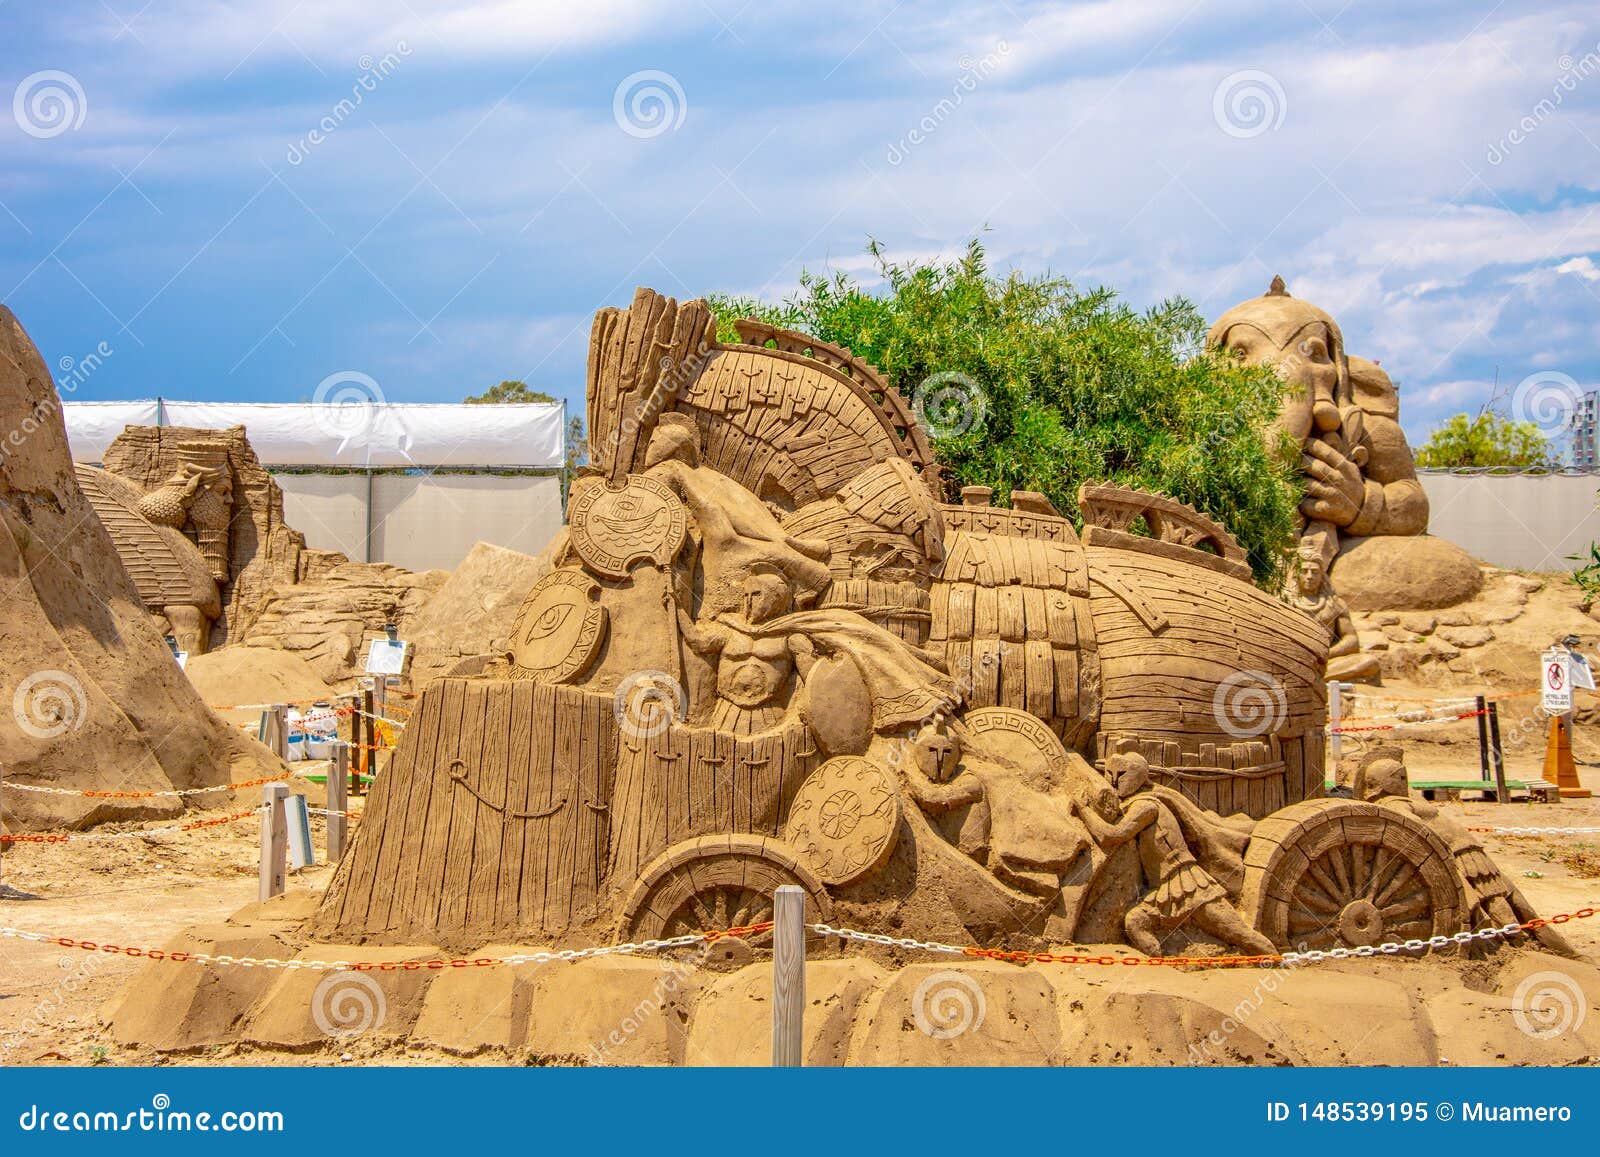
92	426
352	435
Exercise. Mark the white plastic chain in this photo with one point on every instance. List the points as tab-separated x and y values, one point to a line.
1308	957
369	715
1542	831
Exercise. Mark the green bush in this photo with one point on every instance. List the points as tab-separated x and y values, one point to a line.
1028	383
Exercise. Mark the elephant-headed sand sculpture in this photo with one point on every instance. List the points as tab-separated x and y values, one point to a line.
770	653
1361	487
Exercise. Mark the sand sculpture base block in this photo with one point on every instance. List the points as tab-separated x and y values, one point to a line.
861	1009
1410	573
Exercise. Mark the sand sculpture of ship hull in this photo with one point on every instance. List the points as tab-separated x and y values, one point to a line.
770	652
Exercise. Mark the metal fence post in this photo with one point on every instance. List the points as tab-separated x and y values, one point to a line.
338	800
1484	763
788	974
274	840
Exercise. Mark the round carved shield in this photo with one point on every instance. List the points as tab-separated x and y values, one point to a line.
844	819
1019	736
559	628
613	529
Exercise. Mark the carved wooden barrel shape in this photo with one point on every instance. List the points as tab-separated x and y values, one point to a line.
1218	684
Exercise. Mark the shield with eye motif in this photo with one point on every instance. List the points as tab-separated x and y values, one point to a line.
613	528
559	629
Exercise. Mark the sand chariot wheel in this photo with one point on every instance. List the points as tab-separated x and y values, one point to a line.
716	882
1329	873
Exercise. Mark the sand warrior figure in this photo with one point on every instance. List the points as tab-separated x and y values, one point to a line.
1494	899
1025	837
1315	596
758	651
1182	892
753	670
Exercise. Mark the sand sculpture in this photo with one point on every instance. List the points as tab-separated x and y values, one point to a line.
90	697
1362	494
207	496
768	653
199	524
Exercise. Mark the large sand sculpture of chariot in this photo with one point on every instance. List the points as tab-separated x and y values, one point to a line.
768	653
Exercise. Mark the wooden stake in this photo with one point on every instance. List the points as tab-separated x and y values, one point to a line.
338	801
1483	739
274	841
1497	755
788	974
274	730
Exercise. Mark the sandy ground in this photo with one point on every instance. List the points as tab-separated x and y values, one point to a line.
143	890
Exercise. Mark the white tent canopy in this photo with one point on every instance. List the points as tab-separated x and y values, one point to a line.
352	435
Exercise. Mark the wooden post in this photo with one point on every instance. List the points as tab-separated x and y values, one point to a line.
338	801
788	974
274	841
1497	755
1335	716
1484	763
274	730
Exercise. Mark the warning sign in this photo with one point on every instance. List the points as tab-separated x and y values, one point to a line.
1556	665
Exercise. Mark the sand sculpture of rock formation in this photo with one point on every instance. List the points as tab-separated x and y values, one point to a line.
90	694
1362	494
767	654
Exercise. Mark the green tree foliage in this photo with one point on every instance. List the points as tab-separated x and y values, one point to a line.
1029	383
1486	440
508	392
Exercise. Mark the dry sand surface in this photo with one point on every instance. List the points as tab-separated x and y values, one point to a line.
144	890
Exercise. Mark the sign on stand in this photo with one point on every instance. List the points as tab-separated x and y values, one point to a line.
1556	668
301	854
1582	676
386	657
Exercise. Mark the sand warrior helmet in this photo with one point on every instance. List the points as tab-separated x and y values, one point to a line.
1305	345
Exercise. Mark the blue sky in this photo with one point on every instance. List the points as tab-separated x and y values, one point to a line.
161	191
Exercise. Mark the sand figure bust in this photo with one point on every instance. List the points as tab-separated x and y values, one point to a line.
1315	596
754	670
1359	471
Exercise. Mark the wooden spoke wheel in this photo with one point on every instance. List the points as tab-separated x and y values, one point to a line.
1342	874
714	883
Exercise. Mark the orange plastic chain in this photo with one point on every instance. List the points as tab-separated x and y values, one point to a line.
435	965
64	837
